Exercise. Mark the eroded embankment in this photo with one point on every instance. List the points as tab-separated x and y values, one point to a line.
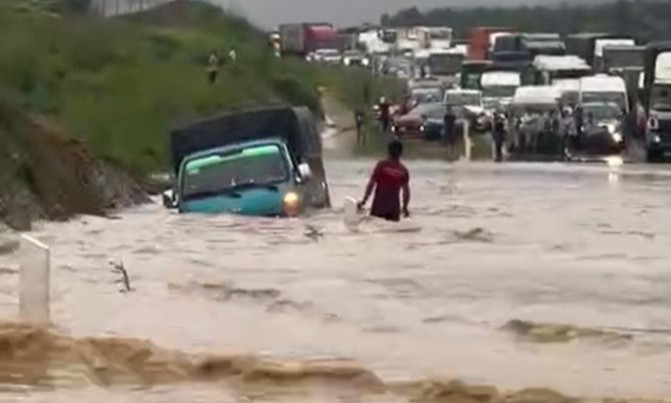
35	356
45	176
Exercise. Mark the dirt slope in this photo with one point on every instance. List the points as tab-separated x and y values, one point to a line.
44	176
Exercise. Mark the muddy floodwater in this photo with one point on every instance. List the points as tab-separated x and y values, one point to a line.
518	275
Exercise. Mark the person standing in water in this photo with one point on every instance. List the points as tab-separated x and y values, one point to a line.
390	178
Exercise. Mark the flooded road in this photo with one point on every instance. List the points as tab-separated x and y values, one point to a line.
506	253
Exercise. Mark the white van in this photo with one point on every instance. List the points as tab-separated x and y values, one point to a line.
604	88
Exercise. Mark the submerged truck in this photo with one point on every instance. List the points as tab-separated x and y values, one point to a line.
302	39
263	162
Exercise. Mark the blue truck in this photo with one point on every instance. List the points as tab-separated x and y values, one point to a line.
265	161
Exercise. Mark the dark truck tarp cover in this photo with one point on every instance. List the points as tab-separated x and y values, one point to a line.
295	125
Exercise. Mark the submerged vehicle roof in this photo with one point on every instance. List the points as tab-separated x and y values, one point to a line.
557	63
536	95
296	125
603	83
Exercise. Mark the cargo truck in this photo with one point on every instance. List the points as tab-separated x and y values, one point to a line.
302	39
264	161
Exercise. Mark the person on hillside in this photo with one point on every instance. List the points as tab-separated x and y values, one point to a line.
390	177
213	67
232	56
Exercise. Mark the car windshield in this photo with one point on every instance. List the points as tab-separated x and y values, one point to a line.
602	111
426	95
219	173
328	52
463	98
499	91
431	111
660	97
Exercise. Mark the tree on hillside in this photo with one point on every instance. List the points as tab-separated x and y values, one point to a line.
643	19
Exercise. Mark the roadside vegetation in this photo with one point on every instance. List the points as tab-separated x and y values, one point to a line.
98	96
120	85
644	19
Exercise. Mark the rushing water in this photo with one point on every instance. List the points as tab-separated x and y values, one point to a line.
586	246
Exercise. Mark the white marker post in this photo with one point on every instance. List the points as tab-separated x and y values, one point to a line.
34	281
467	141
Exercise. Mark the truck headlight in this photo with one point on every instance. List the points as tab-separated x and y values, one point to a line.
617	137
656	139
422	128
365	62
291	203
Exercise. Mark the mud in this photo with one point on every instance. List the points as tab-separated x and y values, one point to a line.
46	357
43	175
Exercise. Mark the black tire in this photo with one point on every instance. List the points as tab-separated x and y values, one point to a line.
653	156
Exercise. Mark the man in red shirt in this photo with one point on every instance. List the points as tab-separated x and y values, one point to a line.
389	177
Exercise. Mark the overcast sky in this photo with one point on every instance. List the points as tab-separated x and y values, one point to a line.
270	13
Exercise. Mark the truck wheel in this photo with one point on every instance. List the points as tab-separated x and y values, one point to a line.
652	156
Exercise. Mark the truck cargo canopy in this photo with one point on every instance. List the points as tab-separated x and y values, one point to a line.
295	125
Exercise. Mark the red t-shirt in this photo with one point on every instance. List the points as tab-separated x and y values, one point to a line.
390	177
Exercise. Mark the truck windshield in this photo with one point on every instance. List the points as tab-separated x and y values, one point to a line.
445	64
660	97
218	173
462	98
499	91
618	98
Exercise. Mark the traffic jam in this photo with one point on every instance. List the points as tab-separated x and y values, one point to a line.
559	96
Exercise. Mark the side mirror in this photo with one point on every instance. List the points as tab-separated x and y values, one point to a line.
304	171
168	199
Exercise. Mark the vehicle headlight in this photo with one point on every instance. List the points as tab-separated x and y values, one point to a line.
656	139
291	203
347	61
393	128
616	136
365	62
422	128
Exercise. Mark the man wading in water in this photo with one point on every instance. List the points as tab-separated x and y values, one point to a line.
389	177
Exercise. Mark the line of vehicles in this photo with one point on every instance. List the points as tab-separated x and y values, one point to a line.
267	161
614	88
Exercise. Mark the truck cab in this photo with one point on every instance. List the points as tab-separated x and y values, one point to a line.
264	162
657	99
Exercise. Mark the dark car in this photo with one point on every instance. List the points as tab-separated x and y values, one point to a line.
425	121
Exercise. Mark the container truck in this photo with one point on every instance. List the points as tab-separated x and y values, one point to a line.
301	39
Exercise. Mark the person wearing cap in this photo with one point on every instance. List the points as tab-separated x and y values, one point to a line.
390	178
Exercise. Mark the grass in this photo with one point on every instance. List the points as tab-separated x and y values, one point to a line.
120	85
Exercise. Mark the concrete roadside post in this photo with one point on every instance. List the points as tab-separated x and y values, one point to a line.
34	282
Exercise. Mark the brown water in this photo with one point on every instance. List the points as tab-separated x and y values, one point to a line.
250	304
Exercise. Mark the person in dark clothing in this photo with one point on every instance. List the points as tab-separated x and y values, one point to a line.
448	126
579	115
498	135
390	177
385	114
359	121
